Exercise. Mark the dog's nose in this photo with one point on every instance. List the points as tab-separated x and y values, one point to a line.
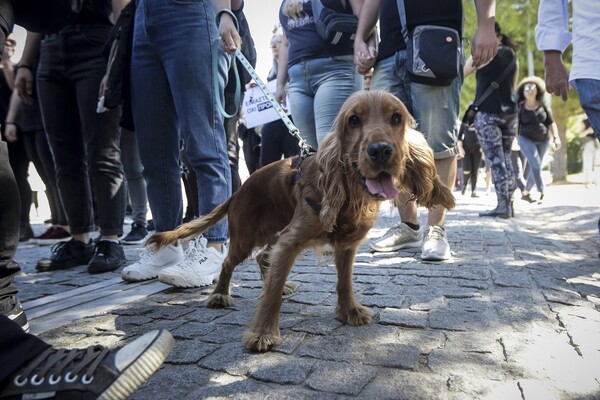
380	152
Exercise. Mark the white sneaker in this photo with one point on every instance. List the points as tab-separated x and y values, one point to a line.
435	245
151	263
398	237
200	266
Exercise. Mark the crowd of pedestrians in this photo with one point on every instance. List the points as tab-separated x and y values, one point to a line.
177	109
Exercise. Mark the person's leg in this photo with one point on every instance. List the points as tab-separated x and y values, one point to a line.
190	185
19	162
589	97
530	149
9	238
301	98
62	124
136	186
230	126
333	80
475	163
467	166
270	149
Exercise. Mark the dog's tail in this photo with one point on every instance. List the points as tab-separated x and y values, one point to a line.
189	229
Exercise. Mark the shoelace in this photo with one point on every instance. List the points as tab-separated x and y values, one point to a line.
435	234
146	255
194	251
57	247
61	364
101	247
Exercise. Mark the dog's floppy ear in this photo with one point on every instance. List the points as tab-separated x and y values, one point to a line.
330	183
421	175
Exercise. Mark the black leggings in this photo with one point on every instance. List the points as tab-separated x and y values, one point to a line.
19	162
471	164
277	142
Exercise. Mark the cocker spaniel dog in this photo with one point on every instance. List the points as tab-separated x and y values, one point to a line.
330	198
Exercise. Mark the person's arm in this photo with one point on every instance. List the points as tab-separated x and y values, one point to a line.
365	42
553	128
10	129
485	42
552	36
117	6
230	38
8	68
24	76
282	69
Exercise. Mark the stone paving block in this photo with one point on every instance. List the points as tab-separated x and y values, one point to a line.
233	359
463	315
173	382
317	325
381	301
403	317
480	365
169	312
205	314
193	330
310	297
190	351
224	334
290	341
283	370
540	390
340	378
397	384
464	387
510	277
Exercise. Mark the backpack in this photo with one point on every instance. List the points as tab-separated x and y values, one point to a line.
46	16
335	21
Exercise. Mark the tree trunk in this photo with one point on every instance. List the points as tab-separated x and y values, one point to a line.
559	164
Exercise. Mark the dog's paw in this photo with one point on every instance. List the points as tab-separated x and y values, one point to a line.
355	316
290	287
260	342
218	300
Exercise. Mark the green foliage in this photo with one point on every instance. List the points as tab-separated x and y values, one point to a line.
574	159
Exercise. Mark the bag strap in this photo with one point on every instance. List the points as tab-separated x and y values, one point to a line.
402	12
495	84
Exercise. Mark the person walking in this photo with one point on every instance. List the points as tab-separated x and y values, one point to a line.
537	130
496	121
435	108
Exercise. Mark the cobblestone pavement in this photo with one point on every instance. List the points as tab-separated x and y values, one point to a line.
514	315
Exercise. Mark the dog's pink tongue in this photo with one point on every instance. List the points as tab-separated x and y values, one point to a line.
382	186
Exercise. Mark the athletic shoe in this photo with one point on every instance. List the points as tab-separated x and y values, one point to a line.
25	232
108	256
93	373
53	235
137	234
200	266
398	237
67	255
12	308
435	245
151	263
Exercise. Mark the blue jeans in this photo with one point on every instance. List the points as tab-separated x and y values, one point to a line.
318	88
173	94
534	152
435	108
85	144
589	97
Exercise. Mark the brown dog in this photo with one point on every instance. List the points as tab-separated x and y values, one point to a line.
331	198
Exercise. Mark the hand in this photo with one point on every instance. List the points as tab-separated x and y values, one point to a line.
280	95
24	85
230	38
364	56
461	150
102	89
485	45
557	143
556	74
10	131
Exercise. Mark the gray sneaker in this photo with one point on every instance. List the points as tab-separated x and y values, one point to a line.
435	245
399	236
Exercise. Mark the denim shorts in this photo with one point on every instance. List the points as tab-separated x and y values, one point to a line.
435	108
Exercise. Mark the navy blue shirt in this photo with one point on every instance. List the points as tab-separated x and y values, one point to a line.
304	40
448	13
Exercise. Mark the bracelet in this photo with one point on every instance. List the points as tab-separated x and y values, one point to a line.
22	66
231	14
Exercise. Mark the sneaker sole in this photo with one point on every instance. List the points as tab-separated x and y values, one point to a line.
407	245
436	257
179	282
141	369
140	241
105	268
73	264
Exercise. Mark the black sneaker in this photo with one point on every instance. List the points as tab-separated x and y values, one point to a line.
92	373
25	232
150	225
12	308
108	256
137	235
67	255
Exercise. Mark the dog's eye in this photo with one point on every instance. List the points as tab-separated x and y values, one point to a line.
353	121
396	119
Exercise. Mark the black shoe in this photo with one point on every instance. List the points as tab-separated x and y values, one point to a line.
137	235
541	199
474	194
25	232
12	308
108	256
527	198
67	255
150	225
92	373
